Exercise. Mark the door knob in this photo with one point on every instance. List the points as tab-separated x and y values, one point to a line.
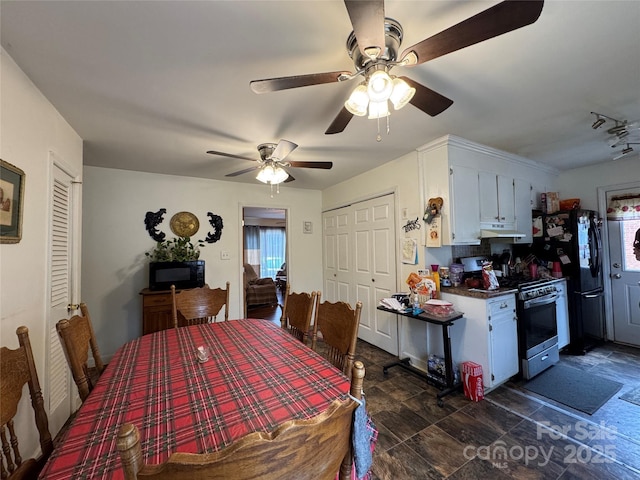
72	306
616	275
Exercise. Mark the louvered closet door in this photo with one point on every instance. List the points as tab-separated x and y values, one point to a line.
60	268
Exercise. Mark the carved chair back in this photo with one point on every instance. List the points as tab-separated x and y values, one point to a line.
337	323
17	367
297	312
199	305
77	338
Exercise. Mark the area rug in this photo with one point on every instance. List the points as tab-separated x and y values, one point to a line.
632	396
573	387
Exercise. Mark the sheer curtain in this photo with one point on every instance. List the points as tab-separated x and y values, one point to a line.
252	246
272	250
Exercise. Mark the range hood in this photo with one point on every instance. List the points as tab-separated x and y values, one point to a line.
499	233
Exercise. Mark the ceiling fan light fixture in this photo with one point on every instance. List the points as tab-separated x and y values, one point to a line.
380	86
279	176
358	101
378	109
402	93
272	175
265	174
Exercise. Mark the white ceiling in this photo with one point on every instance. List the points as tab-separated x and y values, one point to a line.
153	85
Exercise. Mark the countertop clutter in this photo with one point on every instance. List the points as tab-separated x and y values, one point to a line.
478	292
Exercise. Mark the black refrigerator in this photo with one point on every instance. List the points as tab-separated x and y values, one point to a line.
573	238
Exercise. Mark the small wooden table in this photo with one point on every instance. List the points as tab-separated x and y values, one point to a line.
450	385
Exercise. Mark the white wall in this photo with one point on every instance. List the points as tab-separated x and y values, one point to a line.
30	128
114	268
583	182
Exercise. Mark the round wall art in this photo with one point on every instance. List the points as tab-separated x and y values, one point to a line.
184	224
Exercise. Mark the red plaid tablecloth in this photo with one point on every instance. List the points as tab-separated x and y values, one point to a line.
257	377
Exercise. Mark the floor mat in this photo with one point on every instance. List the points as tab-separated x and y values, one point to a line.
573	387
632	396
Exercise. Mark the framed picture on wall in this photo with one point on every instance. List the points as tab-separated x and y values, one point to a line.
11	202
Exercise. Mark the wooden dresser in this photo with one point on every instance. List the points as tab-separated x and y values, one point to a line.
156	310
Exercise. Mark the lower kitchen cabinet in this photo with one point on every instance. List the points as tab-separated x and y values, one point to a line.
488	335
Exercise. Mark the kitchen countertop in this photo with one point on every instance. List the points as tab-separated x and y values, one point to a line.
477	293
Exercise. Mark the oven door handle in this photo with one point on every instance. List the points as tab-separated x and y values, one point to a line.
544	300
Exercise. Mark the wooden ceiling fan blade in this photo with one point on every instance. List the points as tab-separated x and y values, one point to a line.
497	20
323	165
213	152
295	81
340	122
427	100
283	149
240	172
367	19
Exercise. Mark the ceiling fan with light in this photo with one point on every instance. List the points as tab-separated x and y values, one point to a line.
373	45
272	163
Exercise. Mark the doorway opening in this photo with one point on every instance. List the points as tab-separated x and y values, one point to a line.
264	258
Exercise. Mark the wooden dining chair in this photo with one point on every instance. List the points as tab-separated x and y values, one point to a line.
17	367
297	312
77	337
199	305
337	323
312	449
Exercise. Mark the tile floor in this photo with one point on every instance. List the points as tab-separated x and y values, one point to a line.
511	434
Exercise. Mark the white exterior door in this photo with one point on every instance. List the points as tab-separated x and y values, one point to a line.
625	281
63	398
359	265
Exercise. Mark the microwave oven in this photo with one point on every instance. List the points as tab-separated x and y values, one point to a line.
181	274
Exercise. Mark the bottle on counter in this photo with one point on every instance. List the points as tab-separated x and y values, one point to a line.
436	278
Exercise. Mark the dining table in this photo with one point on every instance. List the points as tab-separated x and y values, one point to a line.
256	377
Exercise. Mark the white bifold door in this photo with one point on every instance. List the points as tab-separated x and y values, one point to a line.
359	259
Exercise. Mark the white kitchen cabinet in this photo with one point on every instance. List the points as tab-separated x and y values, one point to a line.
562	314
475	180
465	214
488	335
446	173
523	200
497	198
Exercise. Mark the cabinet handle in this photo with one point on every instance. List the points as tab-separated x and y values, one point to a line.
544	357
503	305
616	265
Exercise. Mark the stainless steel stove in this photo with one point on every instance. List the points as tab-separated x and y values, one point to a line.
537	327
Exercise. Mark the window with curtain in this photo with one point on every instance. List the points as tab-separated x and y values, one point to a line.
272	250
252	245
624	207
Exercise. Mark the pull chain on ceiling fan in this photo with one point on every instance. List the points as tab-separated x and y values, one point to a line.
373	45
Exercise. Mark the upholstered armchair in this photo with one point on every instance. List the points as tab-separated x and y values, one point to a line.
258	291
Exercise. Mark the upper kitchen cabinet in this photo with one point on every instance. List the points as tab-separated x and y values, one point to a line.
497	198
487	193
446	173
